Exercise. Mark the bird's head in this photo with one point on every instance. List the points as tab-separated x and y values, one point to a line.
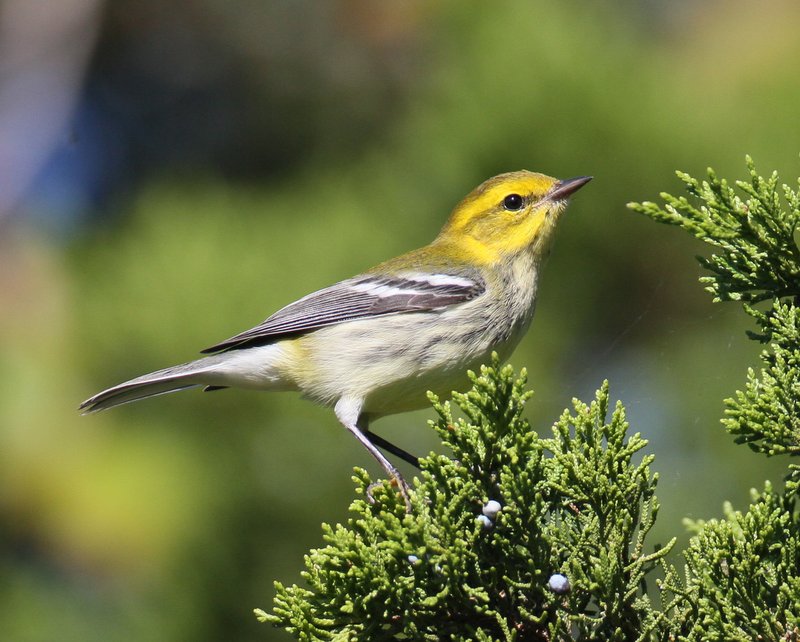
508	214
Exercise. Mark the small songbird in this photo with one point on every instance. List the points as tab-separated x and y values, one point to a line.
372	345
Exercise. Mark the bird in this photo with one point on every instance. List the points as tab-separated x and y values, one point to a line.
373	345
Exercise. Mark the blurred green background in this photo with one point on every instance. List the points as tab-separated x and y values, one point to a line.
175	172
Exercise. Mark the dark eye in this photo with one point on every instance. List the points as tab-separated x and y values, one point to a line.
513	202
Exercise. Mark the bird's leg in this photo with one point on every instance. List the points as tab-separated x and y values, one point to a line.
388	446
397	479
348	411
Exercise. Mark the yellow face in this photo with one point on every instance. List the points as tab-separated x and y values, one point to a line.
509	213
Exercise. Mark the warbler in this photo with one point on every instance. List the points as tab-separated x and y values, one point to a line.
372	345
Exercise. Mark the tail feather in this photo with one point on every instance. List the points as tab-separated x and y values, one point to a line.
188	375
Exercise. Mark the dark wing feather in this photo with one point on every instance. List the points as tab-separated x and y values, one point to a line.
358	298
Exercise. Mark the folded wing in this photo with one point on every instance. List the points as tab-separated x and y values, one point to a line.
359	298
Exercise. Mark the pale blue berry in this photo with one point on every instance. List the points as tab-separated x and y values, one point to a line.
491	508
558	583
485	522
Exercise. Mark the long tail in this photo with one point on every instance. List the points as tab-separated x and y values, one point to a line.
187	375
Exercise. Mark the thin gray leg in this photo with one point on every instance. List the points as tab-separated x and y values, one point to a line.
348	411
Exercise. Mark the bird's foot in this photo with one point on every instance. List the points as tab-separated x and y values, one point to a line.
397	481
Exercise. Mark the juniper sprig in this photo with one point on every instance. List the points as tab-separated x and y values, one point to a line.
512	536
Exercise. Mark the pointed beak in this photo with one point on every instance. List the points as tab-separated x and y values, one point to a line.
562	190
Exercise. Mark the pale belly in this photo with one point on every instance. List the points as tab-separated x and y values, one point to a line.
392	362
